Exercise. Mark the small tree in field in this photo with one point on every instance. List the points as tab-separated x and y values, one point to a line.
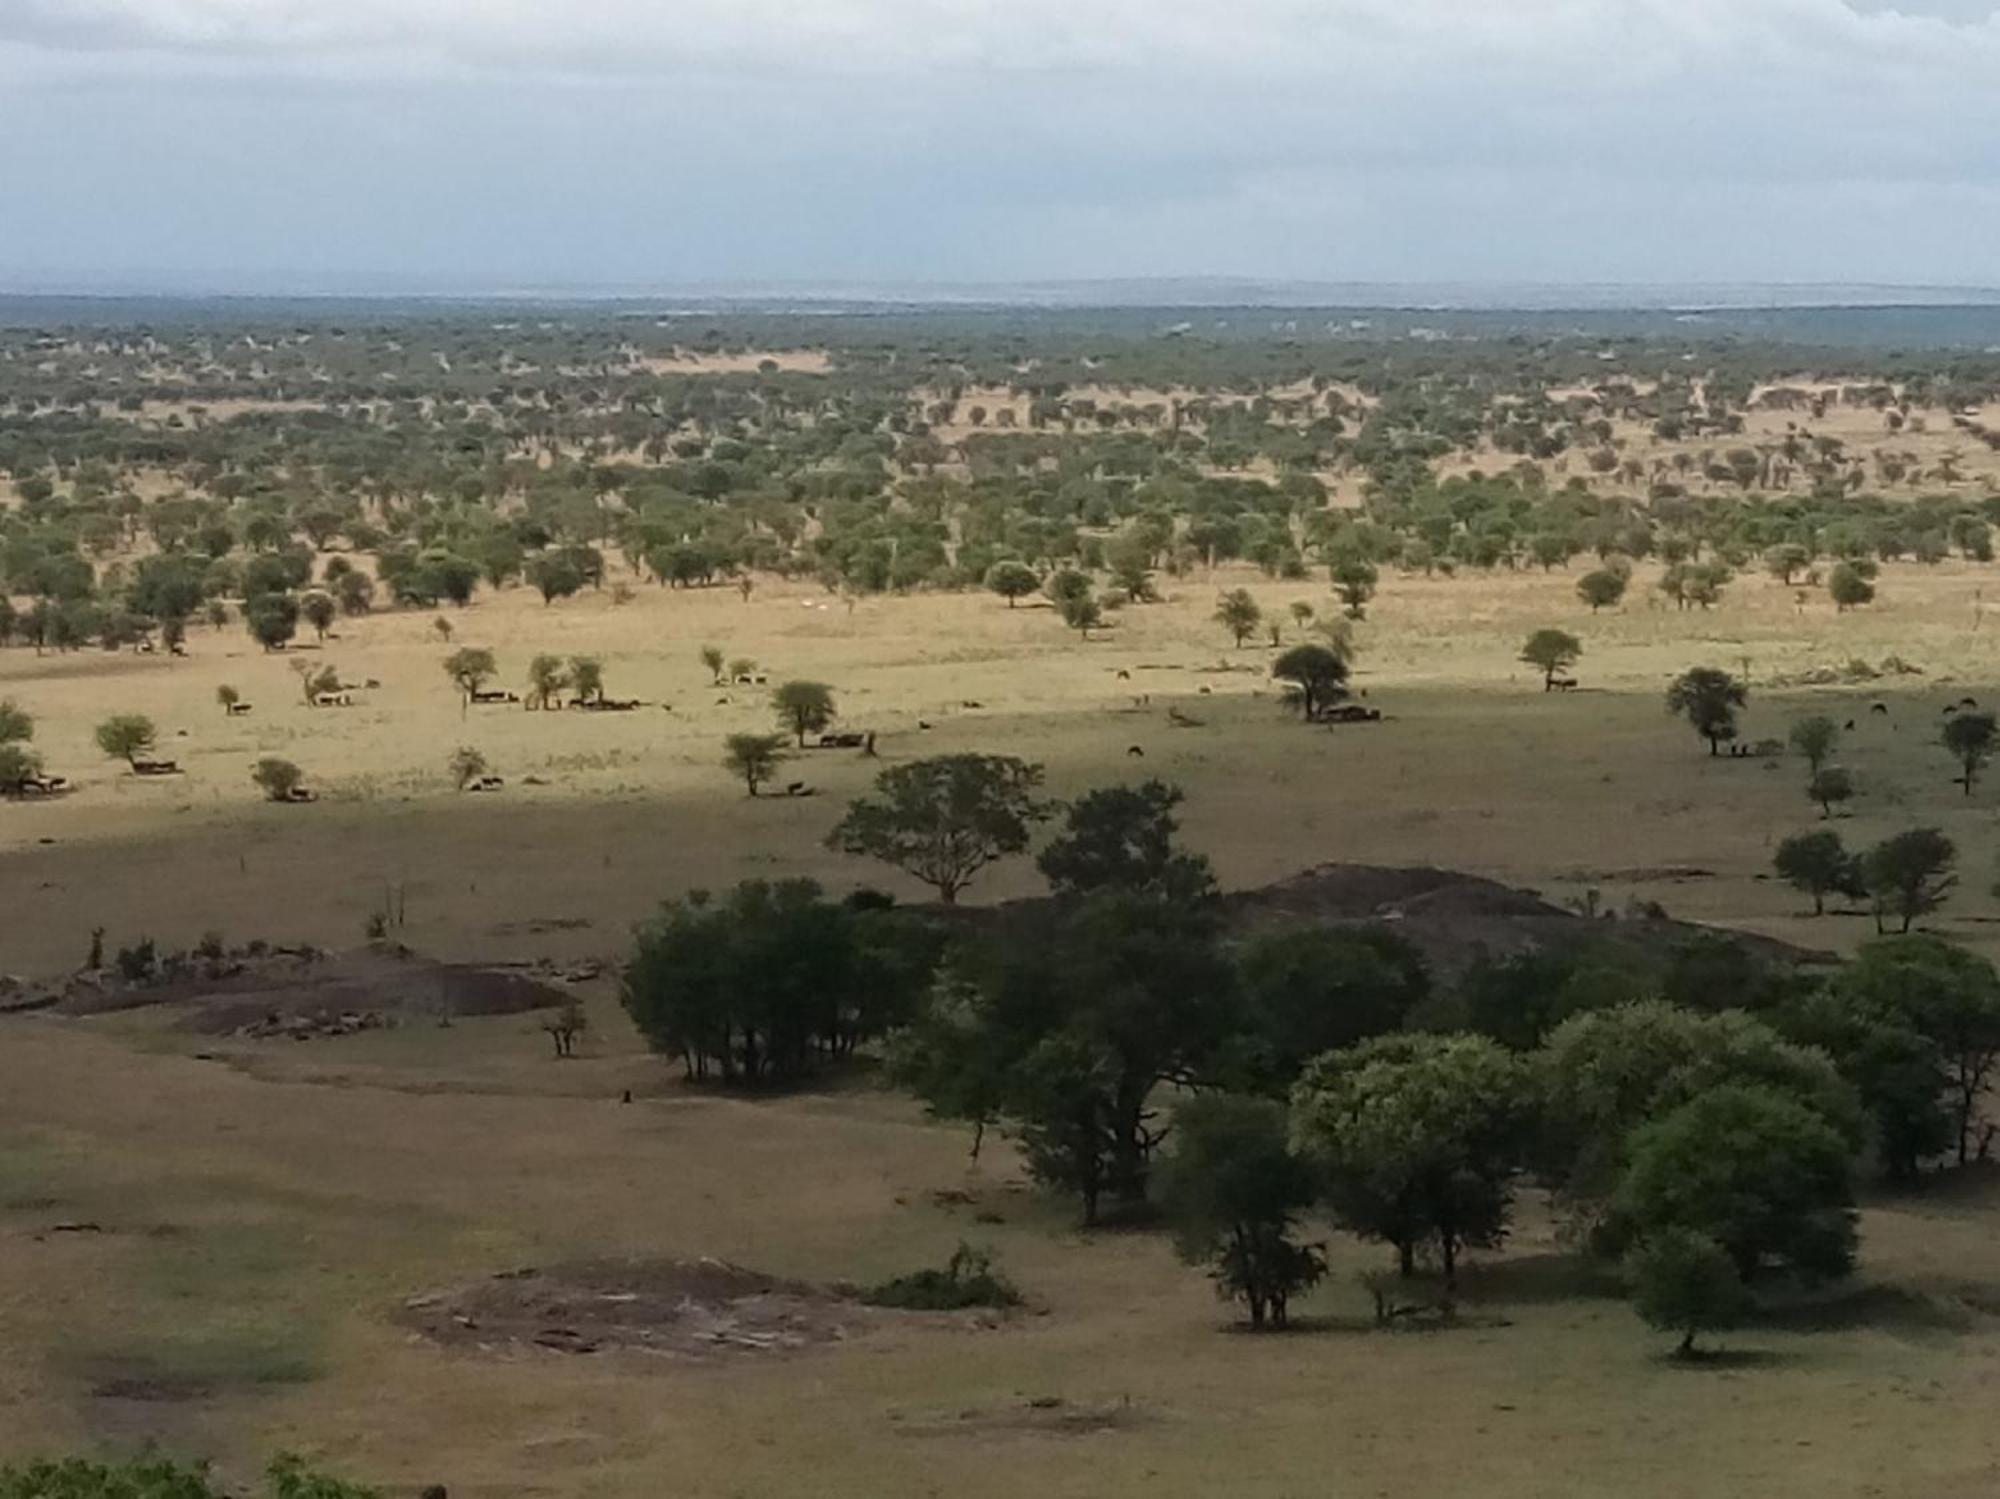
1819	864
272	619
1318	676
1830	788
944	820
1080	612
15	724
586	679
319	610
1685	1282
753	758
1970	738
128	737
280	779
1708	698
1848	588
711	657
1601	589
803	708
546	679
1354	580
1910	874
1234	1191
18	766
1551	652
470	668
227	697
1238	613
1013	581
1816	738
466	765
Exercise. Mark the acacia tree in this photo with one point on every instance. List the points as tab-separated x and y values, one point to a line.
943	820
1970	737
1909	874
319	610
753	758
280	779
1238	613
1816	738
1233	1190
711	657
1820	865
547	676
127	737
1685	1282
1012	580
1551	652
803	708
469	668
1318	676
1601	588
1829	788
1122	838
1708	698
586	679
1415	1138
1354	580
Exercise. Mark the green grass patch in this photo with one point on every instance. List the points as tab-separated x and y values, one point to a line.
969	1280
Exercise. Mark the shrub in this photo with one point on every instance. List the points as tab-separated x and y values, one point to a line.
967	1280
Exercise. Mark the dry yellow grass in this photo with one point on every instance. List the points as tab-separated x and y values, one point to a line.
267	1213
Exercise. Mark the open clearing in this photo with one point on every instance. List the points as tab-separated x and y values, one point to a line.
218	1251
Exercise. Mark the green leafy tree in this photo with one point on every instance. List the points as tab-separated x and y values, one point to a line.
765	983
15	724
952	1057
1709	699
753	758
1755	1171
1819	864
803	708
1238	613
1551	652
470	667
1970	737
1816	738
271	618
943	820
1354	579
1947	996
1685	1282
1910	874
280	779
127	736
18	766
1233	1190
547	677
1848	588
586	679
1604	1074
554	575
1415	1138
1308	990
1013	581
1830	788
319	610
1081	613
1318	677
1601	589
1122	838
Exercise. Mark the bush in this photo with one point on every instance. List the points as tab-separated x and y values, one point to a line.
968	1280
279	778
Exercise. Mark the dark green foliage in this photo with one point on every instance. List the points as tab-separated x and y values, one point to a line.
1233	1190
945	819
803	708
966	1281
1709	700
1971	737
1314	989
1819	864
1318	678
1122	838
1415	1139
1685	1282
1909	875
773	978
1753	1169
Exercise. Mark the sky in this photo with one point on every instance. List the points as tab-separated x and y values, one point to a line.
476	145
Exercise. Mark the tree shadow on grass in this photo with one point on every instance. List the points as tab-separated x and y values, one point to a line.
1722	1360
1874	1307
1538	1279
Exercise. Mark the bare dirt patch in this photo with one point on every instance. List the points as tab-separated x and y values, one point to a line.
689	1309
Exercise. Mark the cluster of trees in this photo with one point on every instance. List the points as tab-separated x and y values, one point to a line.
1701	1114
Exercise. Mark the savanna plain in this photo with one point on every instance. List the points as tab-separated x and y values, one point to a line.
223	1239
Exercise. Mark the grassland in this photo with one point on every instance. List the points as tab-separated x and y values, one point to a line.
262	1215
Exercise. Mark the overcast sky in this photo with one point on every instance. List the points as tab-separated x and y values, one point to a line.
432	144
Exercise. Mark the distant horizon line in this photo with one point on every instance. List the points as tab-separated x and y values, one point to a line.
1126	293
